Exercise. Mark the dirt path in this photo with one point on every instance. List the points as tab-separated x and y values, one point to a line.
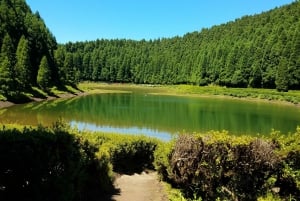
4	104
139	187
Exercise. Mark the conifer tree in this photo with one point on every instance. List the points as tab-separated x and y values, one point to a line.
282	76
6	66
69	68
23	65
44	74
294	61
255	75
59	56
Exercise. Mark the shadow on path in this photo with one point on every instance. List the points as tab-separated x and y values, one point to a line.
110	196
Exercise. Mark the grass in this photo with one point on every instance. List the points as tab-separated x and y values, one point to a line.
37	93
56	91
292	96
2	98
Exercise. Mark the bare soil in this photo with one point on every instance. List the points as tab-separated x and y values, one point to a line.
4	104
139	187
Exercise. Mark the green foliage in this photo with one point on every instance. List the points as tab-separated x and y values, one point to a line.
60	163
6	66
69	69
23	66
269	197
176	195
128	154
2	98
24	40
282	76
6	80
247	52
216	166
50	164
232	54
269	94
44	74
133	156
161	159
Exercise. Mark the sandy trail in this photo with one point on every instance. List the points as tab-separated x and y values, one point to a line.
139	187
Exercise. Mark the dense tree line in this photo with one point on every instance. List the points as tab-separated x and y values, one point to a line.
24	41
260	51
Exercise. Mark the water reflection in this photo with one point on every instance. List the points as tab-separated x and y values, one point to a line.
123	130
153	114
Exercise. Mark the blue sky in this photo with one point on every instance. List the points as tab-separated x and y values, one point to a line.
80	20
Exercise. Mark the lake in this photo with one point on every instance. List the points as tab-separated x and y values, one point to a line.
140	112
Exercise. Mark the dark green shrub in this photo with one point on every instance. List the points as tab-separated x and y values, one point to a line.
49	164
218	166
133	156
288	178
127	153
254	164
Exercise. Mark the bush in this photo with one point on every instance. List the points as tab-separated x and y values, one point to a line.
59	164
50	164
133	156
127	154
218	166
161	159
288	178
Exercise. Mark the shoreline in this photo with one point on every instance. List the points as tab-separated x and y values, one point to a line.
169	90
7	104
250	99
99	88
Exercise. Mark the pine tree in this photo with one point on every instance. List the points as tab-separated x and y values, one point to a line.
23	65
255	75
282	76
7	66
59	56
69	69
294	62
44	74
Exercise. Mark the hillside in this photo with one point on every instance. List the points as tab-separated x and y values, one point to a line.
260	51
24	41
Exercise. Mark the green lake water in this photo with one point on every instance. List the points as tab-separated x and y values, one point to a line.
157	115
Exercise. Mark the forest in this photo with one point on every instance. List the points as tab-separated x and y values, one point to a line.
27	50
260	51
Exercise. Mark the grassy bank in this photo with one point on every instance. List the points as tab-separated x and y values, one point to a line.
247	93
37	94
291	96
